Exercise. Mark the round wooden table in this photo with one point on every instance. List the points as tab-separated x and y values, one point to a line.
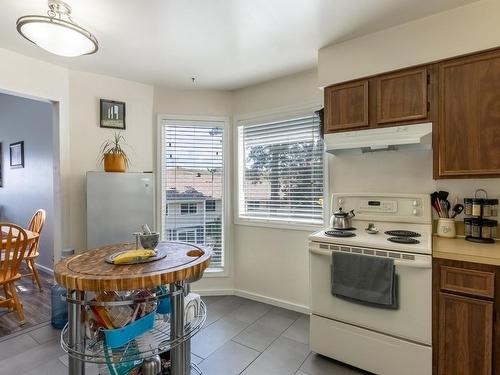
89	272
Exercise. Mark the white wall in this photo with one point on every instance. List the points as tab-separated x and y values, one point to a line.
274	263
281	255
27	189
33	78
461	30
398	171
458	31
85	90
192	102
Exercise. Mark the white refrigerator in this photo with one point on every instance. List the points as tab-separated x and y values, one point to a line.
117	206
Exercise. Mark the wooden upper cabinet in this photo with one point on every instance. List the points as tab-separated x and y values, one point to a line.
465	335
469	116
402	96
346	106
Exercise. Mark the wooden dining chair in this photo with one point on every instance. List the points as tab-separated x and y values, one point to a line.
13	246
36	226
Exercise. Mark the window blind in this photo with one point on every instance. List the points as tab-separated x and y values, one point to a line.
281	170
192	180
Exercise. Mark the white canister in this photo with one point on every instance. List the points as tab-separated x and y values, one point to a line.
446	228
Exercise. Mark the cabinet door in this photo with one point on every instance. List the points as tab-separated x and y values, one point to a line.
469	116
346	106
402	96
465	335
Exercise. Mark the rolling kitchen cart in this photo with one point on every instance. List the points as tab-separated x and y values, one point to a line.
88	273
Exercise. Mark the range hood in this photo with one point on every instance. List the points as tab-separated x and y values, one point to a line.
418	136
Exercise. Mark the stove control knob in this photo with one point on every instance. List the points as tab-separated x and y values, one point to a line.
414	212
415	203
341	201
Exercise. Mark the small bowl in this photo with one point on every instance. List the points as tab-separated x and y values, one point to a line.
371	229
149	241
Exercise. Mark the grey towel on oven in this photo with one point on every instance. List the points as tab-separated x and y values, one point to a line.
364	279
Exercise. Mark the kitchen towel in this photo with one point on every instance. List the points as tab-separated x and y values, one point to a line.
364	279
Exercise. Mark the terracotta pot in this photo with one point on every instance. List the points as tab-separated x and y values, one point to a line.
114	163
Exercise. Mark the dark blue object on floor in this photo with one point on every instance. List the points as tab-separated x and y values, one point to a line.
59	314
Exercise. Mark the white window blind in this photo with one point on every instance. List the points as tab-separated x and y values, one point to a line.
192	174
281	170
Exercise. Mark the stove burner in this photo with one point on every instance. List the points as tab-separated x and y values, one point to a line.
402	233
344	229
339	233
405	240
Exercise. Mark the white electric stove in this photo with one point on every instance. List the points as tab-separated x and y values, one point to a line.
381	341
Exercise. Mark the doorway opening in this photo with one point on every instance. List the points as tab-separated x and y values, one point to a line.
29	181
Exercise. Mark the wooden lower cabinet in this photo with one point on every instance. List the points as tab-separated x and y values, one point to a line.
466	337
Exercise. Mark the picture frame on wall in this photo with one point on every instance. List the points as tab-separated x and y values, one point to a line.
1	160
112	114
17	154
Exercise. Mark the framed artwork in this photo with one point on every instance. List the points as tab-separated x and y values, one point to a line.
17	155
1	160
112	114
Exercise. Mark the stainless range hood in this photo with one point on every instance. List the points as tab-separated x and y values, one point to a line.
418	136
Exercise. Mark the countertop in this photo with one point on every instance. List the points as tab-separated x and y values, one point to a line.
460	249
90	272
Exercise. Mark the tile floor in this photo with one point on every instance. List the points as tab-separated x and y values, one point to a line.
239	337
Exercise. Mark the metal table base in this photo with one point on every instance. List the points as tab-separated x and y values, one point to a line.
180	354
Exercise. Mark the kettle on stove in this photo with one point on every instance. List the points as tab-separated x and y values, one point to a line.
341	219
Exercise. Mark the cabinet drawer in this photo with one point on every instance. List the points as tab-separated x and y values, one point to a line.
477	283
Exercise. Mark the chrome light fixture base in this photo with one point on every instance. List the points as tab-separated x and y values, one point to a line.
57	33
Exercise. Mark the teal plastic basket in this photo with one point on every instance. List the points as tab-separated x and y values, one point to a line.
118	337
163	306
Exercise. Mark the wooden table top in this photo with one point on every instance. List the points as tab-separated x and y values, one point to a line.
90	272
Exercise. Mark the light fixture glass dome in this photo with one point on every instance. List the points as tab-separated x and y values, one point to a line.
56	35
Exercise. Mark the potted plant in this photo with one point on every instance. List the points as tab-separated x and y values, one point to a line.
112	154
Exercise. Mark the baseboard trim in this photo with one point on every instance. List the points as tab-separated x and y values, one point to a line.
272	301
255	297
214	292
44	269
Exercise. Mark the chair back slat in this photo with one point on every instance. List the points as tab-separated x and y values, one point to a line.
13	245
36	225
37	221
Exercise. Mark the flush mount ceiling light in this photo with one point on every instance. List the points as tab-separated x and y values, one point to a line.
57	33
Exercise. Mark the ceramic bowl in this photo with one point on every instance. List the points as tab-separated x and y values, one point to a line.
149	241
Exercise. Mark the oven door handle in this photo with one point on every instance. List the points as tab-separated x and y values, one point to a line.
397	262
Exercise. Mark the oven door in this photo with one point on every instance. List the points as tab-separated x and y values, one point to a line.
411	321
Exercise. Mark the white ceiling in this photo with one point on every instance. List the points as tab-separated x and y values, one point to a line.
225	44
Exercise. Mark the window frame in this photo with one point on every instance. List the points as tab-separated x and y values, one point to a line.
212	201
189	211
262	117
187	233
227	266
